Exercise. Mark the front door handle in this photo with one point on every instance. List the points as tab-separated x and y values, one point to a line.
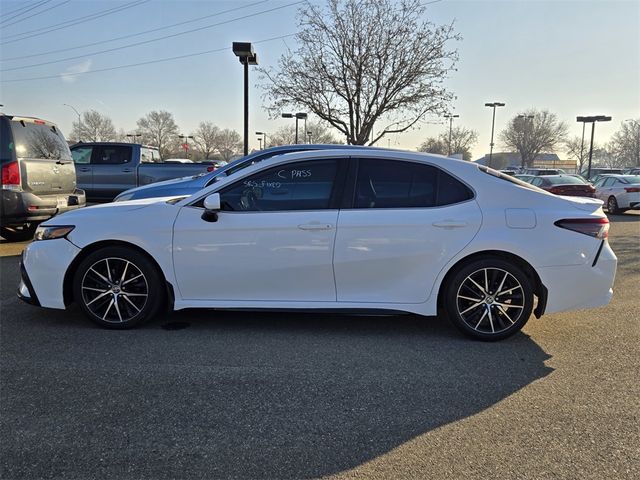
315	226
127	170
85	169
449	224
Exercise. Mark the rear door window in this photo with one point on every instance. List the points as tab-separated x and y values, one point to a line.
395	184
149	155
38	140
111	155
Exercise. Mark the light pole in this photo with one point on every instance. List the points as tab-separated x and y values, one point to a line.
309	137
79	120
592	120
260	142
134	136
297	116
185	145
524	118
493	122
264	138
246	55
450	117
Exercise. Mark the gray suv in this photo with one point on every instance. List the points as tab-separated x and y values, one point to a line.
38	176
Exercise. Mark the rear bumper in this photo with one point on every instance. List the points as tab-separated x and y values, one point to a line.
573	287
18	208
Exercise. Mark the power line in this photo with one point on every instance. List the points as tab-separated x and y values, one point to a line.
70	23
37	13
145	42
138	64
17	9
21	57
25	11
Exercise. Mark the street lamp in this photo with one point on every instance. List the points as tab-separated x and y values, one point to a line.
246	55
79	120
264	138
592	120
185	145
493	122
134	136
297	116
450	117
309	136
260	140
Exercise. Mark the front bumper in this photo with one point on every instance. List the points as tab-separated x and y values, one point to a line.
45	264
19	208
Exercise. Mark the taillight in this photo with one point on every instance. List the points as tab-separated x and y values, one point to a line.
594	227
10	175
555	189
632	189
210	169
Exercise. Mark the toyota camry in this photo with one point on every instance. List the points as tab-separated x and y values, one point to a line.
373	230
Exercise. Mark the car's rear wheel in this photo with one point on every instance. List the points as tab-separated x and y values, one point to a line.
19	233
489	299
612	206
118	287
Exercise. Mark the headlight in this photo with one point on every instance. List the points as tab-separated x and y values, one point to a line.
123	198
49	233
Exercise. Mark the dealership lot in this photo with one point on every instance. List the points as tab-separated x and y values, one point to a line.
257	395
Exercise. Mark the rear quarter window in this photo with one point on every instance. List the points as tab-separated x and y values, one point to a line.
33	140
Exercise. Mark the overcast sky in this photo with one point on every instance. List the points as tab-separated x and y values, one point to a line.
571	57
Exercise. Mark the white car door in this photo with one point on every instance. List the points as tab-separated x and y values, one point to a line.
408	219
273	240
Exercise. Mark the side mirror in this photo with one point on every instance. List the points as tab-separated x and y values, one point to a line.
211	208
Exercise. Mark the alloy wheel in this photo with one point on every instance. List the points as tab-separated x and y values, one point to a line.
490	300
114	290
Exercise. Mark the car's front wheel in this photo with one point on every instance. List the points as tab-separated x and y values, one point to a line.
612	206
118	287
489	299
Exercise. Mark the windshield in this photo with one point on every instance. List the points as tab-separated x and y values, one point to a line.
568	180
37	140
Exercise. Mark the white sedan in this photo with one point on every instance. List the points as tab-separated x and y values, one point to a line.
619	192
375	230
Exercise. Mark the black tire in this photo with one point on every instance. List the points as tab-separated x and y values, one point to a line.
118	287
612	206
485	316
19	233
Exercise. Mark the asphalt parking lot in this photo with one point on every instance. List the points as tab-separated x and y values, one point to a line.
257	395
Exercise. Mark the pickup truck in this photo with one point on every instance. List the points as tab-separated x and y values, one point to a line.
105	169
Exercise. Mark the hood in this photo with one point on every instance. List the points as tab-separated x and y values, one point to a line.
106	208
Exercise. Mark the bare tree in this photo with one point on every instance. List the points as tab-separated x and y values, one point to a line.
462	141
229	143
94	127
286	135
158	128
534	133
364	61
625	143
205	139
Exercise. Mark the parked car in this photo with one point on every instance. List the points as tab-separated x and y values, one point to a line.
106	169
633	171
619	192
191	184
381	230
595	172
571	185
543	171
524	177
38	175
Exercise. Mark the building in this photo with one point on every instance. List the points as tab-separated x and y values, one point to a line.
505	160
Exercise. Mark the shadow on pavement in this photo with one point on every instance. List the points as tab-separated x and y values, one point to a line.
238	395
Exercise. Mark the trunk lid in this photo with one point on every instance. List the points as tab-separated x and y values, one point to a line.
46	166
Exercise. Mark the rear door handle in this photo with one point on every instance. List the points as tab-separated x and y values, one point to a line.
85	169
449	224
315	226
